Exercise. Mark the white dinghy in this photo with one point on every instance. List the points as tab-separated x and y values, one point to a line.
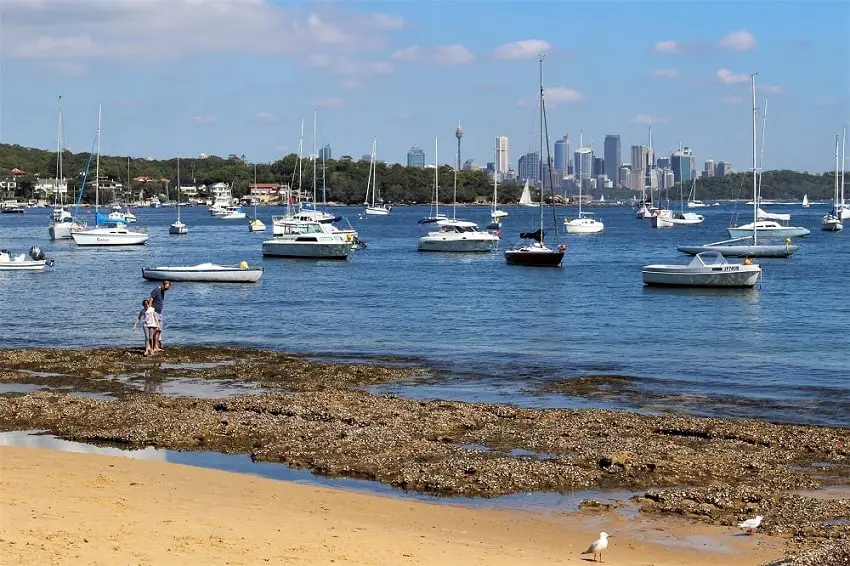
707	269
205	273
35	262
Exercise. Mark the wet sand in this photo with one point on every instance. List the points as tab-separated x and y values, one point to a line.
66	508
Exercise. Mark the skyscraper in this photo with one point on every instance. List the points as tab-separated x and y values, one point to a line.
613	159
598	166
416	157
682	162
584	164
561	156
528	167
325	152
640	165
709	168
723	168
502	161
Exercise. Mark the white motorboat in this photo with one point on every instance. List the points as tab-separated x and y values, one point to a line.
61	228
205	273
458	236
35	262
661	218
832	222
686	218
307	240
696	204
231	213
707	269
768	228
586	223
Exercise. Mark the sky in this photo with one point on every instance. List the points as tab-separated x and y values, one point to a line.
239	76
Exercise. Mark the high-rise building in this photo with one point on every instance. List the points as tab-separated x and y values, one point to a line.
416	157
623	175
682	163
584	165
598	166
613	158
663	162
502	161
723	168
561	156
325	152
640	166
709	168
528	167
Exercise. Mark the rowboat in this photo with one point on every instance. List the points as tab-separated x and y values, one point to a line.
205	273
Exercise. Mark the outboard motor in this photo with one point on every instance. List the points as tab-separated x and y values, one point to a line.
36	253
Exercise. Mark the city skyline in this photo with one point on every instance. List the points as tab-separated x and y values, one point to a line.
405	75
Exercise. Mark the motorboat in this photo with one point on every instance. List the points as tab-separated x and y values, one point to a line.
35	262
109	234
586	223
662	221
205	273
62	224
458	236
768	228
12	208
308	240
696	204
686	218
707	269
231	213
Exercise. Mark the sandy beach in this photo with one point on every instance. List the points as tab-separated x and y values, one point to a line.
66	508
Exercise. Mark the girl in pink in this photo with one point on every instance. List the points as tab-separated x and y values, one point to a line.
152	326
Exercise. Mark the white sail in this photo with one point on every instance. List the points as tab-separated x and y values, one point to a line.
805	201
525	199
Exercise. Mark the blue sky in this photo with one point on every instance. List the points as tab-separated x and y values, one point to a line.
238	76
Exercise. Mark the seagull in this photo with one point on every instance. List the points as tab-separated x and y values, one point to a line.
751	524
597	546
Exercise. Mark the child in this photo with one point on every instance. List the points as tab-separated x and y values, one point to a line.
152	326
141	318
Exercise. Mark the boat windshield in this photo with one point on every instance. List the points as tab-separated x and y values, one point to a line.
707	259
302	228
458	228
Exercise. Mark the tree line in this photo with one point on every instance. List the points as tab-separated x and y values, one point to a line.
775	185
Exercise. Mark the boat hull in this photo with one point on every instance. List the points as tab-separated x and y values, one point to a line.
785	232
574	227
376	211
312	250
832	225
661	222
106	239
199	274
178	229
28	265
60	231
761	250
731	275
466	244
542	258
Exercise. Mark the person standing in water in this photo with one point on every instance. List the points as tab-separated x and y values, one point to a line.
141	318
157	297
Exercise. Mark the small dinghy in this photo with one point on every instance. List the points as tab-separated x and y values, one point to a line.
707	269
35	262
205	273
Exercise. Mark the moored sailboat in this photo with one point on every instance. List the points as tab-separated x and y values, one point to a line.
831	222
178	228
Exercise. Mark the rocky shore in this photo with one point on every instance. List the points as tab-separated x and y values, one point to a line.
319	416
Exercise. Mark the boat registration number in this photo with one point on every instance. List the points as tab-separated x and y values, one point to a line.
730	268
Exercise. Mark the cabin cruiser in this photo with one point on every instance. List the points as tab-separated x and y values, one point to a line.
458	236
307	239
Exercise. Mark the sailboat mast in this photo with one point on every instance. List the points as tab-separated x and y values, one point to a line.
580	159
496	176
436	180
835	198
454	202
374	171
761	151
58	158
843	147
541	145
755	164
300	159
97	165
178	186
315	153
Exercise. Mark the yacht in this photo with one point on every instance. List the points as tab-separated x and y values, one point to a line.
221	199
307	240
231	213
769	229
586	223
62	224
458	236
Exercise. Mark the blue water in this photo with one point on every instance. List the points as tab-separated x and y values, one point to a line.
490	331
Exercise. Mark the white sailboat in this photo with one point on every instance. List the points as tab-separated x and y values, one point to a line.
178	228
107	233
436	206
692	197
525	197
832	221
843	207
62	222
458	236
747	245
586	223
255	224
496	215
376	207
686	218
805	201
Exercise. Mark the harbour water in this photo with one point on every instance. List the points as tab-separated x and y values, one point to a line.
489	331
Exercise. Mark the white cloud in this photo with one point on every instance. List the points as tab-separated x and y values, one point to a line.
740	40
441	55
143	30
204	119
330	102
771	89
345	65
732	100
648	119
553	96
70	69
522	49
668	47
666	73
266	118
728	77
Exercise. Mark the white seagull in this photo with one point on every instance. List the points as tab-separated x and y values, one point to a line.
751	524
597	546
